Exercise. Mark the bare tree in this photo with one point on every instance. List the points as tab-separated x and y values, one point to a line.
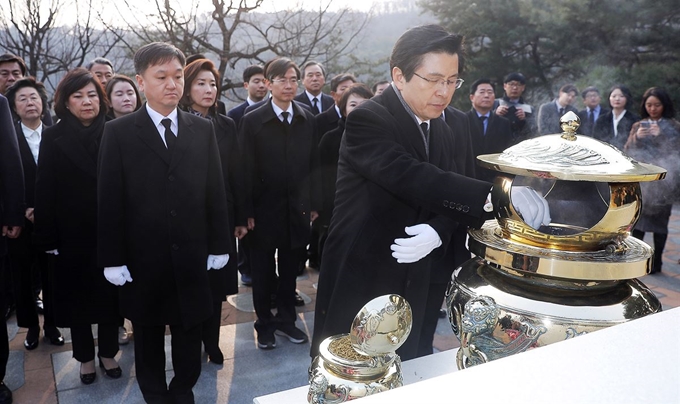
236	35
31	29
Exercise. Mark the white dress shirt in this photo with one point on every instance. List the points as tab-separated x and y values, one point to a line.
33	137
156	117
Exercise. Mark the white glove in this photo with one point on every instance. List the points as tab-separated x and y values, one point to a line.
424	240
531	206
217	261
55	252
117	275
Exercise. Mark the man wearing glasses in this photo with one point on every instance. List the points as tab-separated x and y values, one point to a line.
283	193
513	107
398	197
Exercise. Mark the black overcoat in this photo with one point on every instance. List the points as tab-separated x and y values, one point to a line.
12	206
498	137
161	215
66	220
604	128
387	182
282	176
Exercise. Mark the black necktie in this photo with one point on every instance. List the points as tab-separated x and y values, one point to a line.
482	119
284	114
315	104
591	117
426	129
561	112
170	137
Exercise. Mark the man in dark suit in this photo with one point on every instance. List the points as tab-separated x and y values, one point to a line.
162	222
592	111
328	120
489	132
549	114
513	107
313	79
11	220
283	194
13	68
253	82
397	197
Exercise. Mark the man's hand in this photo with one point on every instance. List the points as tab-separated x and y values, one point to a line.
240	232
251	223
11	231
531	206
217	261
117	275
313	215
424	240
502	110
53	252
29	214
520	114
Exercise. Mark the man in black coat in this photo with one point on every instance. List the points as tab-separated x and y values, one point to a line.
549	114
490	133
11	220
514	108
283	194
162	222
592	111
397	199
328	120
313	79
253	82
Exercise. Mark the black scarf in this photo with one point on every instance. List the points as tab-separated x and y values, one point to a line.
88	136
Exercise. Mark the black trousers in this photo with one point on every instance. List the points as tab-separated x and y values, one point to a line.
211	329
242	254
4	339
83	341
264	285
24	266
659	245
150	362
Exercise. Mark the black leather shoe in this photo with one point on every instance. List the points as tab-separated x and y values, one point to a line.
5	394
53	336
87	378
215	356
299	301
39	306
114	373
32	338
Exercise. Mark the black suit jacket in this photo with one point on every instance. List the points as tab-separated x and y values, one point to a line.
326	101
586	128
162	214
237	112
327	121
12	192
282	176
498	137
387	181
549	118
604	128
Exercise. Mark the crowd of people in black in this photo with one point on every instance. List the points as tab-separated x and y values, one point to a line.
111	208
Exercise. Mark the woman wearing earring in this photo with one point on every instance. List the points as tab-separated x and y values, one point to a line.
201	93
66	222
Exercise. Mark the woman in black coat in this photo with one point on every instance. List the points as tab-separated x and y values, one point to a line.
614	126
201	90
66	222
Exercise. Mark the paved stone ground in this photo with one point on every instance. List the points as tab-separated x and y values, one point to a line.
49	375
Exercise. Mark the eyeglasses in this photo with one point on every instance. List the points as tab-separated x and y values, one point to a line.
292	82
514	84
442	82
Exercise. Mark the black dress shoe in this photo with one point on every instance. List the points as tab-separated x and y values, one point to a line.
114	373
32	338
5	394
53	336
299	301
215	356
39	306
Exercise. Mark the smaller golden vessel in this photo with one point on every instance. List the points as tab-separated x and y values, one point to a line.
363	362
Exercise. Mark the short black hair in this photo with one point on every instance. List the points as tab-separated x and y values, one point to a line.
194	57
476	83
10	57
23	83
515	76
156	53
662	95
278	67
100	61
339	78
589	89
414	44
72	82
374	88
569	88
252	70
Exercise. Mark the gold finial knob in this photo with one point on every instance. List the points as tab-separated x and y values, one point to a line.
569	122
